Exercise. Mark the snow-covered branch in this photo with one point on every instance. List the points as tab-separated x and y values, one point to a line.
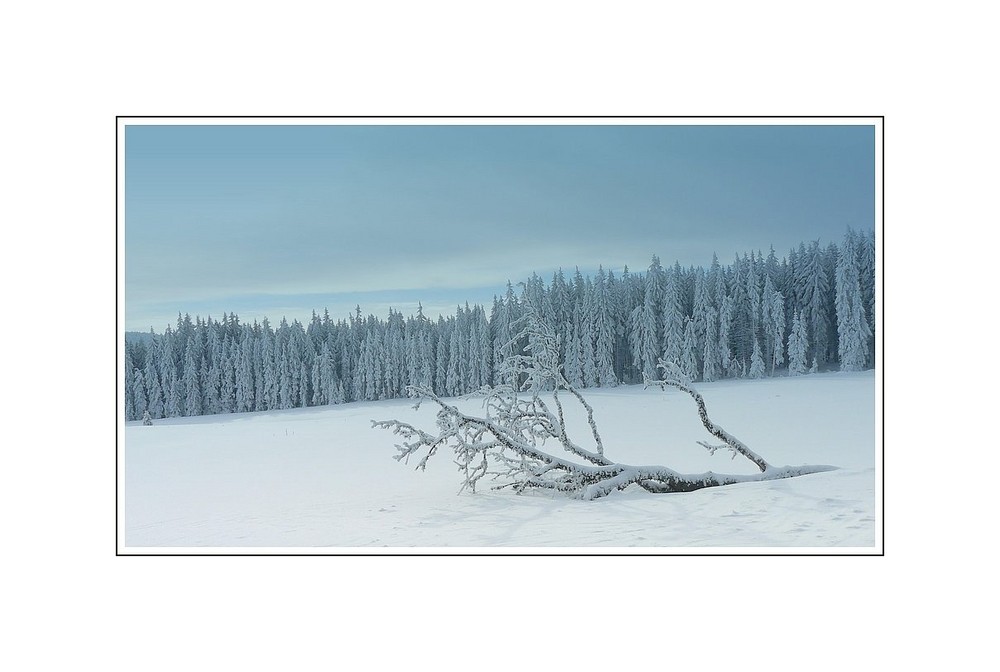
509	442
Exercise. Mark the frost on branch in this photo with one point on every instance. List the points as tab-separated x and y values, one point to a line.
520	439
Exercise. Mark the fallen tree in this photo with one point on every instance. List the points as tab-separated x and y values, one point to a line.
510	441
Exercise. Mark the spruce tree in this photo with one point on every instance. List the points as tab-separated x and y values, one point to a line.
572	365
710	357
773	324
154	392
852	327
798	347
643	323
603	329
756	361
138	395
689	350
192	375
129	384
673	318
587	364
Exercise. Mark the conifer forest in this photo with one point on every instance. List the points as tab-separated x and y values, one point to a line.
811	310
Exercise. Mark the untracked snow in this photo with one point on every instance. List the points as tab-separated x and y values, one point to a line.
321	479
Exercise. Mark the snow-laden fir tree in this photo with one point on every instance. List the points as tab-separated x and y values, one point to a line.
454	384
130	413
773	324
192	404
603	331
395	378
507	312
699	315
673	318
138	395
174	401
572	367
726	356
244	385
689	350
757	361
257	356
798	347
154	392
866	278
441	356
426	372
587	363
816	288
644	330
852	327
710	357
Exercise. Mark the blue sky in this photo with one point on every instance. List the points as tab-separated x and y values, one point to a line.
278	221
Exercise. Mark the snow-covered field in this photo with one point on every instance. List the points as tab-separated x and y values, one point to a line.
322	480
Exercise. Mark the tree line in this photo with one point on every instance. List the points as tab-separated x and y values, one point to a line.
812	310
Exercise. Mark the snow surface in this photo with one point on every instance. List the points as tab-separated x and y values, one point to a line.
322	480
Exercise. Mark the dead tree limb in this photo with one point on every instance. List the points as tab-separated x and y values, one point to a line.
509	442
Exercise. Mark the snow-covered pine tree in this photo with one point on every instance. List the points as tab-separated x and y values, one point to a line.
866	278
204	382
603	330
441	357
328	380
316	376
456	353
395	365
689	349
172	405
715	284
244	372
621	306
756	361
227	376
138	394
572	366
699	313
815	308
740	326
587	364
154	391
484	349
643	330
726	357
673	317
192	379
773	324
413	330
305	388
798	347
473	356
130	413
503	331
426	376
753	293
852	327
710	357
